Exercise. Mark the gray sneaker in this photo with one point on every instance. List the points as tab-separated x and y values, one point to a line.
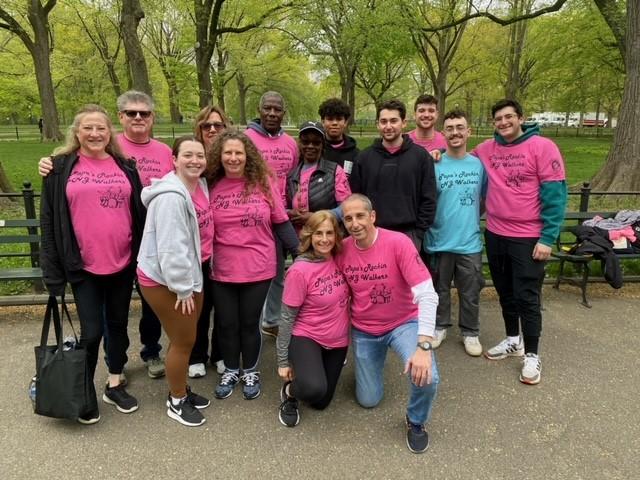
155	367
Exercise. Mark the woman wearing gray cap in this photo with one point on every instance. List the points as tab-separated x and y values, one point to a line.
315	184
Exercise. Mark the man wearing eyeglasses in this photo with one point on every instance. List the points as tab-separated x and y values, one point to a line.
397	175
280	151
526	199
153	160
454	242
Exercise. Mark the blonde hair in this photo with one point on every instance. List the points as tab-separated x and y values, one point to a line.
73	145
312	224
256	171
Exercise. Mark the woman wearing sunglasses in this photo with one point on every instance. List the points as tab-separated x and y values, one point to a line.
208	124
316	183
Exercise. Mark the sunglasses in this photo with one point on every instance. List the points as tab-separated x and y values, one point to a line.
216	126
135	113
315	143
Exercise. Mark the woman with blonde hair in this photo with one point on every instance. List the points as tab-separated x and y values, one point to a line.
246	214
92	218
208	124
314	324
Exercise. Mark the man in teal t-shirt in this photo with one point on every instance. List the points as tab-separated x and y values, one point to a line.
454	242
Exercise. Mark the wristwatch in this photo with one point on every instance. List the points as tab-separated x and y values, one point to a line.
426	346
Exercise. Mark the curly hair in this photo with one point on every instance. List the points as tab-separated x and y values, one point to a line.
202	117
72	144
312	224
256	171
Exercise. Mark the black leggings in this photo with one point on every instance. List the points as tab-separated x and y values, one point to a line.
237	308
316	371
100	297
200	354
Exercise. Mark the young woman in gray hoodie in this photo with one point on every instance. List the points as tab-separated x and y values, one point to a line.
169	267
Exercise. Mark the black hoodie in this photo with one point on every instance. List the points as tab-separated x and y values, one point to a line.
401	185
347	152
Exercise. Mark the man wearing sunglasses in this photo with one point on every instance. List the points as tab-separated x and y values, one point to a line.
526	199
153	160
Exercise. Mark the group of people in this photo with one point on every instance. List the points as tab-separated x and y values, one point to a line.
206	227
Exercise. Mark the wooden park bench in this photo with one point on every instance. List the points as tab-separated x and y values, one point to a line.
14	235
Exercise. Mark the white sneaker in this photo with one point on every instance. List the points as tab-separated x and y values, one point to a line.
197	370
220	368
438	337
505	349
472	345
530	369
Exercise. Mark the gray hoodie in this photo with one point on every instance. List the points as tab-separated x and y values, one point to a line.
170	249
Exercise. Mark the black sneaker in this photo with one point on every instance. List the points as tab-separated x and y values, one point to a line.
90	418
288	411
417	437
119	397
196	400
185	413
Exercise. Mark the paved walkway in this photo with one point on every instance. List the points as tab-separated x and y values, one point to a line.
581	422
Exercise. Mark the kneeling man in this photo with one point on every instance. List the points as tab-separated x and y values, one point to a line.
393	307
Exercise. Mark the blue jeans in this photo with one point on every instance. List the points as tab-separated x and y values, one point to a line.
370	352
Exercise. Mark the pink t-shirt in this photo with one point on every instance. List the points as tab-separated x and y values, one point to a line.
280	153
99	194
320	291
515	173
244	247
205	222
436	143
380	278
153	159
301	198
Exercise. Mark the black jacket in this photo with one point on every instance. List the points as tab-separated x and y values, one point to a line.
401	186
347	152
322	186
595	241
60	254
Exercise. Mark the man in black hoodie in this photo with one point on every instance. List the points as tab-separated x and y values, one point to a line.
397	175
338	147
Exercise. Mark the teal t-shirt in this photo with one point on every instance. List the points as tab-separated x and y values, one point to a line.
461	183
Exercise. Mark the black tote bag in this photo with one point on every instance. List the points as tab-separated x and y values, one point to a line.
64	388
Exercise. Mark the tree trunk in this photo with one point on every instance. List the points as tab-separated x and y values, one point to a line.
40	51
621	170
174	99
113	76
204	77
5	184
131	16
242	98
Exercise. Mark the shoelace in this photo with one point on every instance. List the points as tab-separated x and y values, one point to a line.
250	378
228	378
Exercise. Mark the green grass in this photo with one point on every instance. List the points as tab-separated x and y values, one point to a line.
583	157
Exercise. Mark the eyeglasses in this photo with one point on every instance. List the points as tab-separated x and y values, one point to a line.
456	128
508	117
135	113
315	143
216	126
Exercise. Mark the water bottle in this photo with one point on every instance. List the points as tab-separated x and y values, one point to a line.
32	392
